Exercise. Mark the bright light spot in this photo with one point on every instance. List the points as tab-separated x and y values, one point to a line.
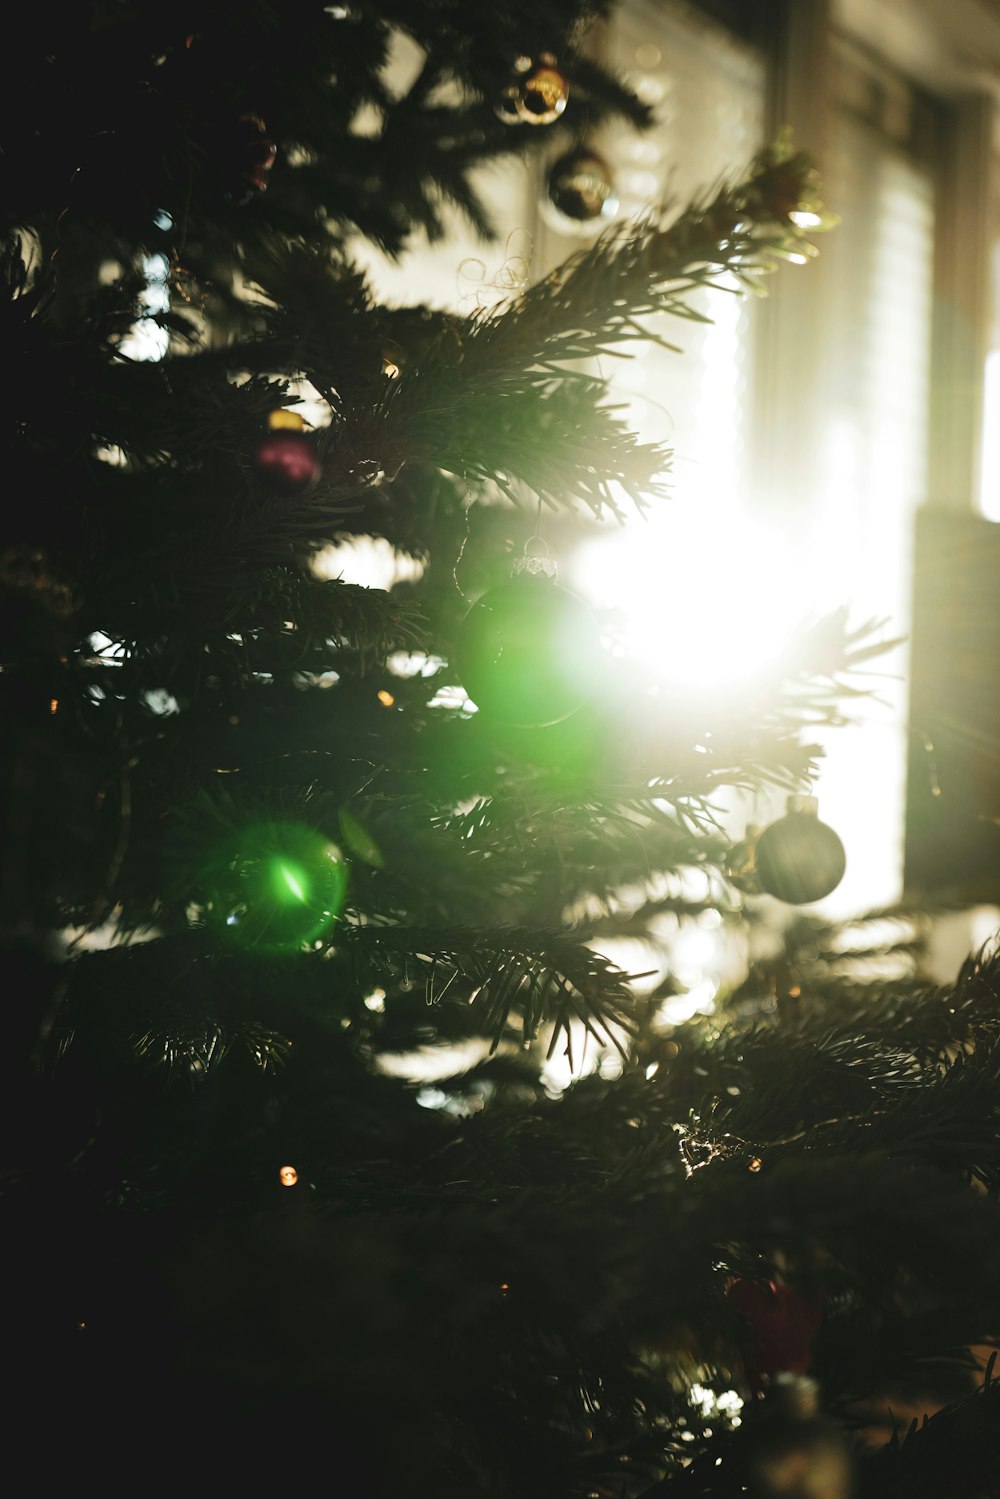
432	1098
453	697
370	561
985	926
650	90
161	702
797	259
632	955
428	1064
385	698
112	455
414	664
803	218
146	340
322	679
696	952
680	638
162	220
375	1001
110	934
697	1001
288	1176
558	1072
102	645
727	1403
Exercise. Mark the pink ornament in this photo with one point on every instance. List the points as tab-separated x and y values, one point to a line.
287	461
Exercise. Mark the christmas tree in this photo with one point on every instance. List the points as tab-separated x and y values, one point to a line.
270	834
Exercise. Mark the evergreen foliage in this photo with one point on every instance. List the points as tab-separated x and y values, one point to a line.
476	1286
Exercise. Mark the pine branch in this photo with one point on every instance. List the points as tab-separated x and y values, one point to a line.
543	976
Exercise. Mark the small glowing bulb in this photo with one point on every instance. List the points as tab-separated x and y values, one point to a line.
755	1164
385	698
804	218
289	1176
54	705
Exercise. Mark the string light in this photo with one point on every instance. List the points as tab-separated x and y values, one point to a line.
288	1176
385	698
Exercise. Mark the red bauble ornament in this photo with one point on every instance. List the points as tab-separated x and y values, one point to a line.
784	1325
288	462
255	155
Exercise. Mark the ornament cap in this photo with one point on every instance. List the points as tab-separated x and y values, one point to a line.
535	561
807	805
534	564
283	420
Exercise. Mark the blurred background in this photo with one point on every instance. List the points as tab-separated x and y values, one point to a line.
837	443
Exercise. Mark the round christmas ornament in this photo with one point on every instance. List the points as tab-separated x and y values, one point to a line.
541	95
580	187
275	887
798	858
286	457
528	649
783	1325
790	1449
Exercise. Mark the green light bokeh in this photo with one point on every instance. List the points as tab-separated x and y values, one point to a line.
276	887
528	652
